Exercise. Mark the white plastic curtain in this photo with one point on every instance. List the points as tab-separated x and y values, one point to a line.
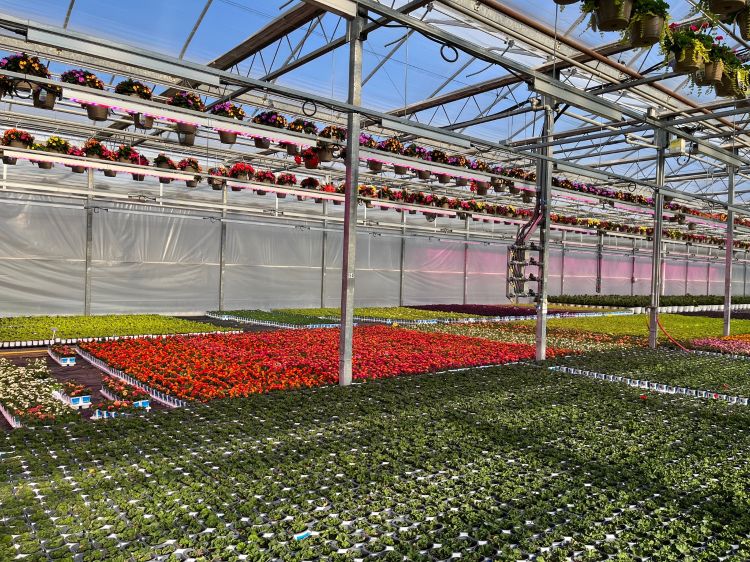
168	261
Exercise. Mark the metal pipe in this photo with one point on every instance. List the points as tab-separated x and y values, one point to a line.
89	243
544	195
355	26
729	254
660	138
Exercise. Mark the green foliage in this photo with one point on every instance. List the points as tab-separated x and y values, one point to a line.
388	313
651	7
274	316
500	464
28	328
642	300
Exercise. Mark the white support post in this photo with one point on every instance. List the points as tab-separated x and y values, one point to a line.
350	203
89	243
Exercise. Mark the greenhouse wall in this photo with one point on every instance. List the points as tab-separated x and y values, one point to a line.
170	262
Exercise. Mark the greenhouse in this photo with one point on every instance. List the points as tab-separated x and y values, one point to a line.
410	280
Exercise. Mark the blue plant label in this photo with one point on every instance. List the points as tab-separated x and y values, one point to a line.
67	361
302	536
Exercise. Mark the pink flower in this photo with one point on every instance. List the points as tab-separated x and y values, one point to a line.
720	38
693	28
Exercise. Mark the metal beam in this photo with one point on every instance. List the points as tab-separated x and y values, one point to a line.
544	200
728	255
355	26
660	137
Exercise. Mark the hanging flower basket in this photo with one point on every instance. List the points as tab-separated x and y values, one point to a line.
44	98
613	15
45	165
262	143
514	190
482	187
423	174
689	60
191	183
96	112
645	30
743	23
325	154
462	182
499	188
300	198
138	177
9	161
110	173
443	178
337	202
375	166
217	184
235	188
227	137
77	169
280	195
292	149
691	226
713	71
526	198
318	199
400	170
142	121
723	7
311	164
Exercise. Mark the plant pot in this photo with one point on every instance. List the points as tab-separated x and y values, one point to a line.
227	137
462	182
96	112
713	71
280	195
400	170
142	121
260	192
691	226
235	188
43	99
646	31
514	190
325	154
443	178
743	23
16	144
191	183
165	180
368	204
482	187
292	149
423	174
685	61
262	143
412	211
77	169
729	86
337	202
9	161
216	183
613	15
110	173
138	177
722	7
526	198
300	198
311	164
374	165
318	199
22	86
45	165
499	188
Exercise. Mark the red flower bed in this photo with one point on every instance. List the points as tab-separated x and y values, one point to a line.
229	365
488	309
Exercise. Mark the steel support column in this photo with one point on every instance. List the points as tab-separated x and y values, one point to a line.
599	260
562	261
402	261
89	243
632	269
350	203
222	247
729	252
660	139
544	193
323	256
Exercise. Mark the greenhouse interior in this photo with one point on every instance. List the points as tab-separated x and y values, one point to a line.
409	280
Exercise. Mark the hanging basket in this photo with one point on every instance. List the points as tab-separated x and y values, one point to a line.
375	166
482	187
186	133
325	154
462	182
142	121
713	71
22	86
613	15
227	137
443	178
262	143
45	165
646	31
400	170
686	61
292	149
43	99
96	112
77	169
9	161
423	174
138	177
743	23
110	173
729	87
280	195
216	183
691	226
499	188
311	164
191	183
526	198
722	7
234	188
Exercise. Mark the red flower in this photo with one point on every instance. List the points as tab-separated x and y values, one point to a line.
643	397
693	28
